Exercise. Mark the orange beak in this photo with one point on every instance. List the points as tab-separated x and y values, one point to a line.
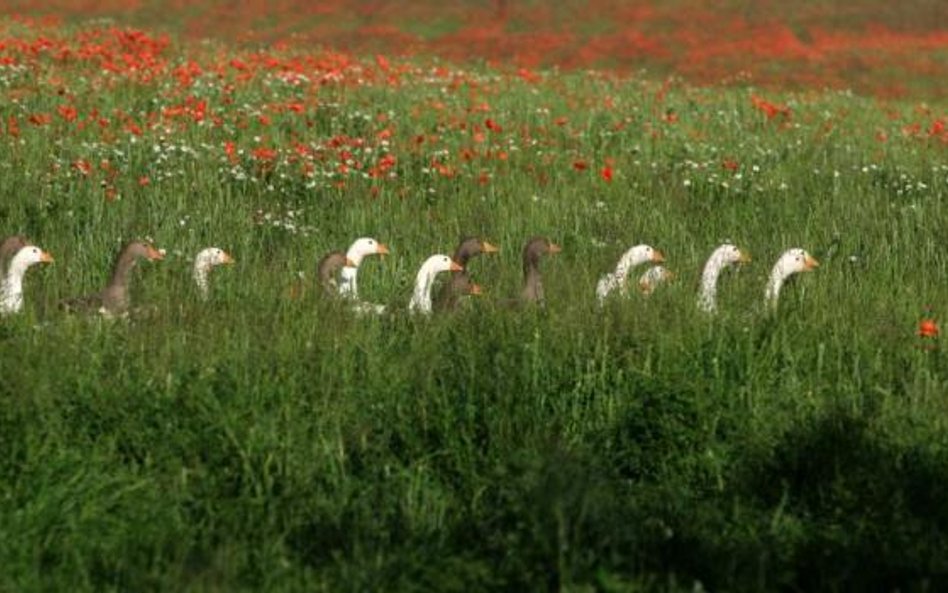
554	248
46	257
488	248
810	262
658	257
382	249
227	259
456	267
475	289
154	254
744	257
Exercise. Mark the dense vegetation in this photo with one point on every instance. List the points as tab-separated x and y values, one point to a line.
261	442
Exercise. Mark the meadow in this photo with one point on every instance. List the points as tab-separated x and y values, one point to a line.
262	442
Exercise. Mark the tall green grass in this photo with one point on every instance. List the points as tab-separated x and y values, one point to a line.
255	442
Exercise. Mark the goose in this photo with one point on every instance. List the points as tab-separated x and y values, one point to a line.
421	297
357	251
460	283
9	247
348	286
461	286
724	256
112	301
790	262
633	257
535	248
652	277
206	260
11	290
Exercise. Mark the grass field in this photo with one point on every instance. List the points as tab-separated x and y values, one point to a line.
259	442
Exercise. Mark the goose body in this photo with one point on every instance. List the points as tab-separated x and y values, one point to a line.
206	260
460	283
434	265
327	269
112	301
792	261
11	290
616	280
721	258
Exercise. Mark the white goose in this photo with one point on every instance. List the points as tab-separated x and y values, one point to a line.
635	256
206	260
348	286
721	258
652	277
11	291
421	297
791	262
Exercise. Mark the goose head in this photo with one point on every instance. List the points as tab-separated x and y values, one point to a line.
9	247
638	255
363	247
212	257
439	263
792	261
652	277
142	249
536	248
470	247
727	255
28	256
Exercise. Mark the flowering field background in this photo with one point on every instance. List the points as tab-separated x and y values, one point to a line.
873	46
264	442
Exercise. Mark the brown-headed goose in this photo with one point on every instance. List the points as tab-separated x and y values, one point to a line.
421	296
11	290
616	280
112	301
9	247
791	262
535	249
652	277
460	283
721	258
206	260
348	287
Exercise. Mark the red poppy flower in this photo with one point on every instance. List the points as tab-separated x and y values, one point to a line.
927	328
